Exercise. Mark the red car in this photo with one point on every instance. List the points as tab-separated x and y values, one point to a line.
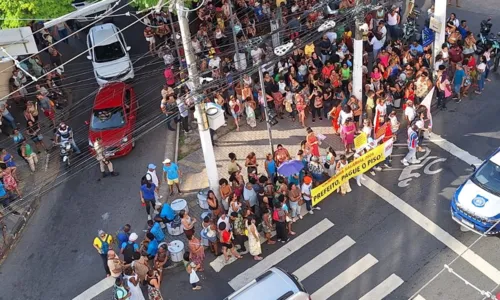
113	119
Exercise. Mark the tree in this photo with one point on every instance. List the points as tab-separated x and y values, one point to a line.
18	13
145	4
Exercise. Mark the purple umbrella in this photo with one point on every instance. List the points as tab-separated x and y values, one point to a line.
290	167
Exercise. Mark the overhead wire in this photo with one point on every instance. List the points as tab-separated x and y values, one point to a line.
215	83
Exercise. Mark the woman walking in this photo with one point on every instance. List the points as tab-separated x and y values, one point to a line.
197	252
191	268
213	205
132	280
312	142
267	225
348	131
345	187
153	280
253	238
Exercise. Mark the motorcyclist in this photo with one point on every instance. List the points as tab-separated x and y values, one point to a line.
65	133
486	26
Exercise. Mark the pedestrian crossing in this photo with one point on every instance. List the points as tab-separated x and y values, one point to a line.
382	287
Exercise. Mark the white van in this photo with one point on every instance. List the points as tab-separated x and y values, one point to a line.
274	284
108	52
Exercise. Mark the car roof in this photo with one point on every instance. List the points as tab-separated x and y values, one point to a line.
495	158
275	282
104	34
110	95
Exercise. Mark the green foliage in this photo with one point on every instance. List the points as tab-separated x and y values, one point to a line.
11	11
145	4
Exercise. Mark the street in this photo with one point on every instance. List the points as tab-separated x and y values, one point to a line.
388	238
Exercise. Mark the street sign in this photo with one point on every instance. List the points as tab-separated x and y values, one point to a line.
428	36
435	25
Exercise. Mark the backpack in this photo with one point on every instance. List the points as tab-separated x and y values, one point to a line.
129	254
104	244
276	216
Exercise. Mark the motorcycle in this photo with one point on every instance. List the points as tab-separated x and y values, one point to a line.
410	28
65	151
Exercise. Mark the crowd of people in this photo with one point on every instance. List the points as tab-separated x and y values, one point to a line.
313	82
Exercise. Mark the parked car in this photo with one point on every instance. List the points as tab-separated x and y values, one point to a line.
108	52
277	284
113	119
476	203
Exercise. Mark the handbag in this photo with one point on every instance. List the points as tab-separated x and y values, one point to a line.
193	277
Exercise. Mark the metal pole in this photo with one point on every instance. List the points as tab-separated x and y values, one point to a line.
174	33
237	62
262	87
357	74
201	116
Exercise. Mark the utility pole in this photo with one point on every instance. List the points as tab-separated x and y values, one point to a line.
357	74
237	62
262	87
440	16
201	116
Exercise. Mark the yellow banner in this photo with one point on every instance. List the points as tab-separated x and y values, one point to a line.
361	140
357	167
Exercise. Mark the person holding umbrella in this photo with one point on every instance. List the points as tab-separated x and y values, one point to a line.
290	167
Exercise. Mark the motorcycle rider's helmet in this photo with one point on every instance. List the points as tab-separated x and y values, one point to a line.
63	128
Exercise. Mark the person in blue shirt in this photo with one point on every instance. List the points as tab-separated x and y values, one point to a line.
463	29
167	213
123	234
5	200
148	194
171	174
131	240
152	245
415	46
270	166
156	229
458	82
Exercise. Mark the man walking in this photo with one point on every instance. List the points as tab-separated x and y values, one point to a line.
171	174
102	243
458	82
411	157
152	171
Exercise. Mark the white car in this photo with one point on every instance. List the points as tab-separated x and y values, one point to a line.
476	203
108	52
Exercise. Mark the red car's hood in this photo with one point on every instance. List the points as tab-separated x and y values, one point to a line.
110	137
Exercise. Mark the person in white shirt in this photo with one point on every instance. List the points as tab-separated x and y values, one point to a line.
382	32
377	46
306	189
410	112
256	54
240	61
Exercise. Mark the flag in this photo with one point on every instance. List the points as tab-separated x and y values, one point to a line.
427	103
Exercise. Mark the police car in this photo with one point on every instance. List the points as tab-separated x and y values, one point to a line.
476	203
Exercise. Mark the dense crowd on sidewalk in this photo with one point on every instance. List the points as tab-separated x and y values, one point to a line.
312	83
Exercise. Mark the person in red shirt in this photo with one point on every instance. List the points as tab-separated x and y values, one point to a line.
226	242
169	76
327	70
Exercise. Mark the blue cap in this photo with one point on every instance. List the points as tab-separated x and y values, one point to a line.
151	166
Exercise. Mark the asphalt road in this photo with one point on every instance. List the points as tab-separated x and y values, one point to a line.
55	259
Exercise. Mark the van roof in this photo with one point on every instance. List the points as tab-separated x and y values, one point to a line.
275	282
110	95
104	34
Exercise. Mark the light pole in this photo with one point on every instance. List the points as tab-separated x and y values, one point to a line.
440	16
357	72
201	116
264	95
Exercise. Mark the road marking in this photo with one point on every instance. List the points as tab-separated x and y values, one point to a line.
277	256
454	150
383	289
323	258
419	298
220	262
96	289
442	235
339	282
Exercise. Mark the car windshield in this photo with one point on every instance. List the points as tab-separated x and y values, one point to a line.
488	177
109	52
110	118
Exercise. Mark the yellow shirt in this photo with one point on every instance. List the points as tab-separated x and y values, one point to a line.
278	2
309	49
370	104
233	167
98	243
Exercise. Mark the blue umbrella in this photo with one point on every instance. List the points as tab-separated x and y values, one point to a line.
290	167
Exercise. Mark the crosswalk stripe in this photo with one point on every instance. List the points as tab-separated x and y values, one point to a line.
280	254
220	262
345	277
384	289
323	258
419	298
